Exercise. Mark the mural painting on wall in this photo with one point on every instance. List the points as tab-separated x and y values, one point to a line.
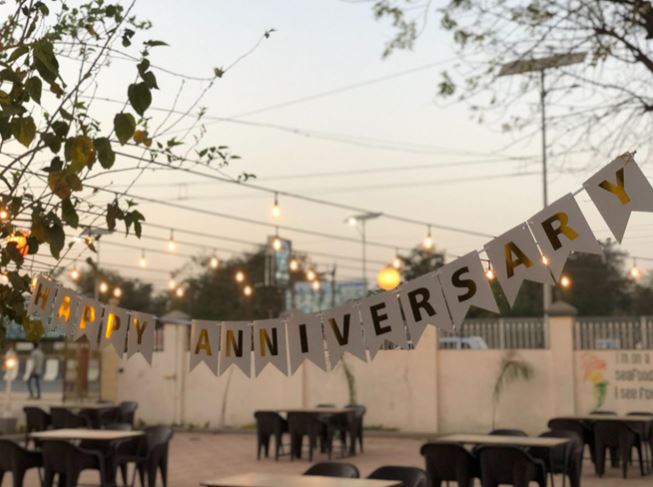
594	369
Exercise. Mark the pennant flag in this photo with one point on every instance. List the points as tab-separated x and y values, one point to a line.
65	309
114	328
305	340
42	298
236	346
270	345
464	284
204	343
89	321
423	304
140	335
515	258
381	317
619	189
561	229
342	330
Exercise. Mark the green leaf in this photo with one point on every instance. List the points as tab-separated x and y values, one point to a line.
63	183
105	153
24	130
139	96
80	151
124	125
60	128
56	239
155	43
150	80
68	213
34	87
45	61
34	329
218	72
18	52
52	141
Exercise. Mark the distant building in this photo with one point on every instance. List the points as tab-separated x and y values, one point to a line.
307	300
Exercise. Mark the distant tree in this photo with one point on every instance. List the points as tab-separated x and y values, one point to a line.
419	261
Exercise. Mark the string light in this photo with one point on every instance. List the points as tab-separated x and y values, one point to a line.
545	260
117	292
428	240
142	261
103	288
74	274
315	285
635	272
352	221
34	282
172	284
248	291
294	265
388	278
565	281
310	275
179	292
276	209
397	262
489	273
214	262
4	214
240	276
276	243
172	245
4	280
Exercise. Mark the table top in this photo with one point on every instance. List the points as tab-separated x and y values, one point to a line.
315	410
84	434
277	480
89	406
610	417
502	440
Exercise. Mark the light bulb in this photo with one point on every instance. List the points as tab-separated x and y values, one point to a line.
635	273
74	274
11	363
214	262
247	290
315	285
4	280
34	282
310	275
142	261
179	292
276	209
276	244
294	265
427	243
4	214
104	287
565	281
240	276
490	275
172	245
396	262
352	221
117	292
545	260
172	284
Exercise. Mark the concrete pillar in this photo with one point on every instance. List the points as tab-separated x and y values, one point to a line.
562	317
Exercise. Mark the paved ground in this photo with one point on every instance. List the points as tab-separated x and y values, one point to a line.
196	456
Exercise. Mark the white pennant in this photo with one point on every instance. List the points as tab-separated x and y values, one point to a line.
65	310
619	189
381	317
270	345
89	321
236	346
561	229
305	340
140	335
342	330
114	328
464	284
40	303
515	258
424	304
204	344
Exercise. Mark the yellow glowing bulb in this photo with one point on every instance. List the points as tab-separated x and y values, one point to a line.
172	284
294	265
490	275
352	221
565	281
396	262
4	214
247	290
4	280
74	274
142	262
11	363
315	285
635	273
276	244
276	211
545	260
388	278
240	276
428	243
104	287
179	292
310	275
117	292
214	262
33	282
172	245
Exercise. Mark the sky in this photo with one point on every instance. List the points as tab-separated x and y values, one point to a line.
388	136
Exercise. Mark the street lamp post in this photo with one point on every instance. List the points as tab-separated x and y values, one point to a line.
522	66
360	222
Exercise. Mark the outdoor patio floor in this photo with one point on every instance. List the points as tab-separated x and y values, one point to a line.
200	456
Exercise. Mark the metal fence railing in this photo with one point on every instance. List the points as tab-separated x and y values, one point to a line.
499	333
614	332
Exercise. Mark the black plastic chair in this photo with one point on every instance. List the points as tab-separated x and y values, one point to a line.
127	412
604	413
507	432
64	418
450	463
148	455
35	420
326	405
408	476
68	461
17	460
110	415
566	459
306	424
620	436
334	469
577	426
356	426
510	465
269	425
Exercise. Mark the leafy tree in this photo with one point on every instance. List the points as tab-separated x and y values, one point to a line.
420	261
612	100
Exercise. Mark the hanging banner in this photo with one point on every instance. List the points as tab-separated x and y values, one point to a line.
204	344
381	317
236	346
40	304
619	189
561	229
305	340
89	321
342	330
423	304
140	335
270	345
464	284
114	328
65	310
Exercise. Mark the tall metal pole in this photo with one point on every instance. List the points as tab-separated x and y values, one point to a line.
364	238
546	289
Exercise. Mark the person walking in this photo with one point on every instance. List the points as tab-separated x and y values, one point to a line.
38	360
